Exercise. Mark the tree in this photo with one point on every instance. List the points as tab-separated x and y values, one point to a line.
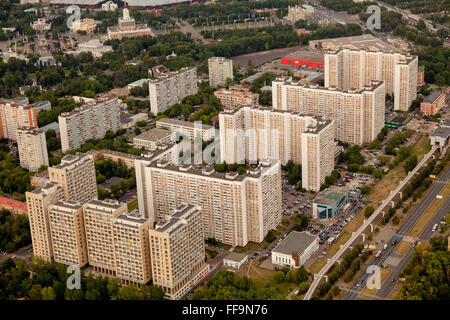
279	277
301	221
48	293
395	220
368	211
271	236
411	163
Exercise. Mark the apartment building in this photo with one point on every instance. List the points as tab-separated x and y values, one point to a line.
220	69
132	247
150	139
432	103
16	113
32	148
76	173
358	115
236	96
89	121
67	233
170	88
178	251
237	208
38	202
99	217
348	69
191	130
250	133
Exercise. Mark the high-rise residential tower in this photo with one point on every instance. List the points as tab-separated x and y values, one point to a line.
32	148
220	69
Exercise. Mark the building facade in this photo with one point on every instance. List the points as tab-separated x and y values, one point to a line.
178	251
358	115
250	133
295	250
89	121
16	113
180	128
170	88
434	102
348	69
236	96
236	208
220	69
150	139
32	148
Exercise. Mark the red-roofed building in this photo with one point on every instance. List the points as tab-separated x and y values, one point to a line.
16	207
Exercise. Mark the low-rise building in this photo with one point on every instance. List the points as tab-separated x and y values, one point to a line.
236	96
295	249
150	139
235	260
328	202
433	103
13	206
84	25
94	46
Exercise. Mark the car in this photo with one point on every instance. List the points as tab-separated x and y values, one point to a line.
359	283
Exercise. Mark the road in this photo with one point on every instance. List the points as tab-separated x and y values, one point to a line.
405	228
366	224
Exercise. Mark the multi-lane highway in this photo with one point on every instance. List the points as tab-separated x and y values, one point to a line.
366	224
405	228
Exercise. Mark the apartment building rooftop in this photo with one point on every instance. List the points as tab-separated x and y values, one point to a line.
165	76
294	242
107	203
47	188
173	221
131	219
253	171
154	135
182	123
68	204
88	106
69	160
30	130
374	84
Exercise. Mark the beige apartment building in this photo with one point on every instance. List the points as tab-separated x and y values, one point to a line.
170	88
353	69
150	139
67	233
38	202
220	69
32	148
132	247
178	251
16	113
250	133
236	96
89	121
99	218
191	130
76	173
358	115
237	208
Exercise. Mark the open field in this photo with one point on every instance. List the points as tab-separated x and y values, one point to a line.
336	245
390	181
429	213
402	247
318	265
132	205
384	273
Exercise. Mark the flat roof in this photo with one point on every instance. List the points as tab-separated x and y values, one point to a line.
235	256
154	135
295	242
442	132
433	96
182	123
307	55
364	41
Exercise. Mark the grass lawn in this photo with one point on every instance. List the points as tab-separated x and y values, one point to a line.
358	220
430	212
318	265
132	205
251	246
219	245
337	244
390	181
211	253
402	247
384	273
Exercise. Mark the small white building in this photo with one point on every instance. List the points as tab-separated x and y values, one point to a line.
235	260
295	250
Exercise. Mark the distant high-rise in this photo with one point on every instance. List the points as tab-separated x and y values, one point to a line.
358	114
76	173
38	202
170	88
250	133
90	121
178	251
349	69
32	148
16	113
220	69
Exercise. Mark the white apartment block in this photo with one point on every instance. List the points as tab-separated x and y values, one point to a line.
89	121
178	251
220	69
251	133
170	88
16	113
32	148
76	173
236	208
38	202
98	218
68	234
358	114
132	247
186	129
348	69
